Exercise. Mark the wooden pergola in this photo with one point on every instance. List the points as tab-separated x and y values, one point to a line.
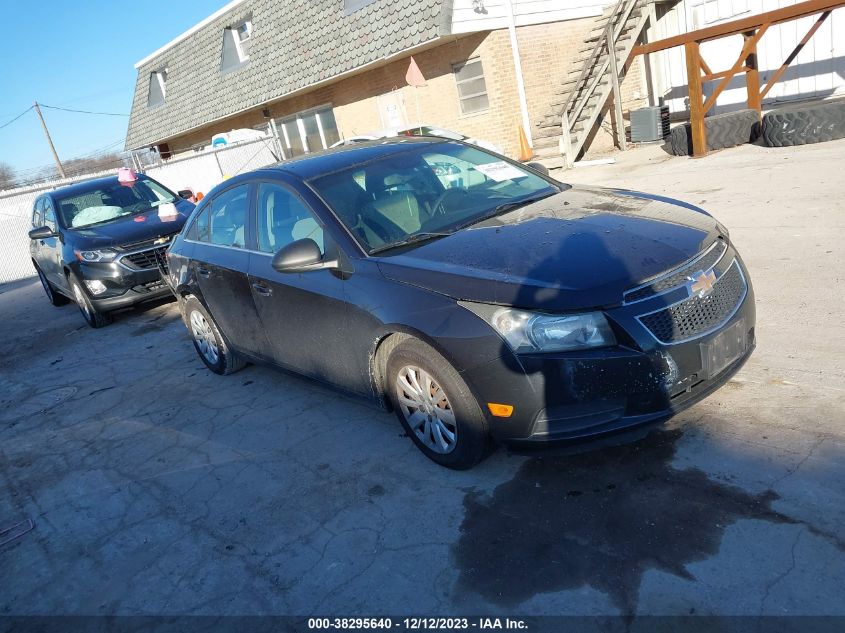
752	29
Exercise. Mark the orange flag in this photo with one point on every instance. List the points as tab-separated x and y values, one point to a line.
414	76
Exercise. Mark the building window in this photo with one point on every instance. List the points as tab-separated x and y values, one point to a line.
236	41
308	131
155	97
472	90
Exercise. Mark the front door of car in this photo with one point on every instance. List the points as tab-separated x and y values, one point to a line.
50	249
220	263
304	314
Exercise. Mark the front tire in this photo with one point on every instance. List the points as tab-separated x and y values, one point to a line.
92	316
55	298
435	406
209	343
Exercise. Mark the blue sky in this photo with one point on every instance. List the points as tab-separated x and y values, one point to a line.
79	55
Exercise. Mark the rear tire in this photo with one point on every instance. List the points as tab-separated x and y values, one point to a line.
435	406
53	296
92	316
208	341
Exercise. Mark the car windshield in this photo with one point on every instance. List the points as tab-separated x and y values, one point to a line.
430	190
112	201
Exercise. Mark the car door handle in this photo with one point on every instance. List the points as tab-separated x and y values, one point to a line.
205	272
262	289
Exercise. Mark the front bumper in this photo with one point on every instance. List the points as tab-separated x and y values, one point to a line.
124	287
567	397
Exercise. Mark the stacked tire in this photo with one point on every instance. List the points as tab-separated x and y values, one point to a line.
722	130
803	125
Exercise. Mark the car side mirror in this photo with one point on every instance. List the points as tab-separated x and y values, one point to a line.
538	167
42	233
300	256
186	194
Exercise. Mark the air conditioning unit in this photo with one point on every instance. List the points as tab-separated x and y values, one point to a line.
649	124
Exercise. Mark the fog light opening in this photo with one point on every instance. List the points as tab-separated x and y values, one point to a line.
95	286
500	410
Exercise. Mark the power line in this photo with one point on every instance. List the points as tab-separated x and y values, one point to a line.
82	111
17	117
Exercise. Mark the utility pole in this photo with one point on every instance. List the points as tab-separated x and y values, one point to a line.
50	142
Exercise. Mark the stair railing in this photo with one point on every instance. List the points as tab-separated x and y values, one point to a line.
607	41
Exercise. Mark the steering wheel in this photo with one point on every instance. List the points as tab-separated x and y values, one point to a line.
438	208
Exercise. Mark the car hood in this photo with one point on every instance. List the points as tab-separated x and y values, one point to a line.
581	248
132	229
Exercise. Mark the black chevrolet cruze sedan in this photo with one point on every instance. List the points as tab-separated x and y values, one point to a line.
101	242
474	296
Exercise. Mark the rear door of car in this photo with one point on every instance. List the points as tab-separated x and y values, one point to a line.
220	262
304	314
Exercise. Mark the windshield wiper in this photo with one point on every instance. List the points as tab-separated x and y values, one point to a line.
505	207
411	239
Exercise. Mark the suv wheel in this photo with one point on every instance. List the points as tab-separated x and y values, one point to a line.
435	406
55	298
93	317
208	341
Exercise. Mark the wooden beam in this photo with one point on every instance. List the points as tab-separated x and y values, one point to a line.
617	94
752	76
750	42
696	109
706	68
723	73
791	57
785	14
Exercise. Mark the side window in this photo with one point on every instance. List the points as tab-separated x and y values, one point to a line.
283	218
49	215
37	213
224	221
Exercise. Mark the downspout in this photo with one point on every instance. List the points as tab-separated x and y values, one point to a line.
517	64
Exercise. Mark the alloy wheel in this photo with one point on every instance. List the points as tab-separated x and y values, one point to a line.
426	409
204	337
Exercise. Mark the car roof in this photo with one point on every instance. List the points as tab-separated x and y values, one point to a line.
87	185
328	161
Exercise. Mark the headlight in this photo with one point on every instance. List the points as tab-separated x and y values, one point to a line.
538	332
102	255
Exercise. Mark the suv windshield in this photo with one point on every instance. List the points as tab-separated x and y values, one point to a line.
426	192
112	201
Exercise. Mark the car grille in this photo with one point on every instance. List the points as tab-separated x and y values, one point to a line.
678	276
697	316
148	259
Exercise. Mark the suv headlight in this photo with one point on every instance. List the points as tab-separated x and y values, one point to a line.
102	255
527	332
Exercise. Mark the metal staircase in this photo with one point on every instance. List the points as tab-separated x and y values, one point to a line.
594	76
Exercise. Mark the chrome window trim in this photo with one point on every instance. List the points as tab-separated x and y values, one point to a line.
712	329
231	248
672	271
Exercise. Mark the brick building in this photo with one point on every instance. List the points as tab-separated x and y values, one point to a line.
323	70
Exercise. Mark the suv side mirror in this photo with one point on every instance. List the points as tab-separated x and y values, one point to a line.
186	194
300	256
42	233
538	167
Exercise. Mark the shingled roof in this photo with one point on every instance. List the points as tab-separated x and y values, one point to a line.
294	44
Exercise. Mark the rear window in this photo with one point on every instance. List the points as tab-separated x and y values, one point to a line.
112	201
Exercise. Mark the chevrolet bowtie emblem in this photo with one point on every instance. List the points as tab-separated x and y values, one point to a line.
161	240
702	283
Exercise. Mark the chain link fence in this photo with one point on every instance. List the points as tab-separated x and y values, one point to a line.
200	172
